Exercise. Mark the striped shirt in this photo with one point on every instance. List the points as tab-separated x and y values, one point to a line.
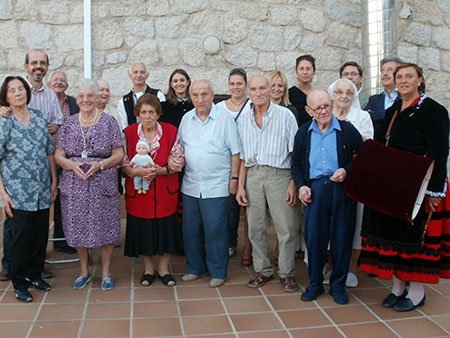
272	144
46	101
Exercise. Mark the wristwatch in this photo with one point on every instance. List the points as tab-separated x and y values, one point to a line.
234	178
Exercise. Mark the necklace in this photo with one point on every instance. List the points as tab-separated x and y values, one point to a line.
237	106
85	136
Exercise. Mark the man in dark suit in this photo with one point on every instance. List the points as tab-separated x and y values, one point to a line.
58	82
378	103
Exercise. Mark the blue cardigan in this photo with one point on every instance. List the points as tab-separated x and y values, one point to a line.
348	141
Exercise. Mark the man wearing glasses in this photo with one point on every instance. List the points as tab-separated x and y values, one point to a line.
323	152
352	71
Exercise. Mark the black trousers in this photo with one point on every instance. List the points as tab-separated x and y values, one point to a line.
29	236
58	231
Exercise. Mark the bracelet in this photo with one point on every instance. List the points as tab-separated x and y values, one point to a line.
101	165
167	170
234	178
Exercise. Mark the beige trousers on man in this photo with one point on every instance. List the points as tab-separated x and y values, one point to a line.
266	187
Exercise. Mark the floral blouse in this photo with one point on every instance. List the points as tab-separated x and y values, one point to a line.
24	165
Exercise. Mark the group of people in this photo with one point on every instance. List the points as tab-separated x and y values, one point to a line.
191	166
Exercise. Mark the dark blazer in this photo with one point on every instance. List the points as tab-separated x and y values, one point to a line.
348	141
73	106
375	107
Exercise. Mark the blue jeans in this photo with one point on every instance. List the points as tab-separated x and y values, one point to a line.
205	235
233	222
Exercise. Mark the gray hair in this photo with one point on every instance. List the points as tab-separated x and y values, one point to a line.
264	76
90	84
387	59
195	82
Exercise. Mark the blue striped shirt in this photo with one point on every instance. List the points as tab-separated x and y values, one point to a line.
46	101
272	144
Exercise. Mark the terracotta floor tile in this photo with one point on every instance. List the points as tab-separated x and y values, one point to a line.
290	302
371	295
18	311
436	306
273	288
160	327
264	334
256	322
370	330
389	314
350	314
238	291
206	325
61	312
155	309
69	296
197	292
59	329
244	305
443	320
10	298
108	310
106	328
444	288
369	282
153	294
416	327
237	277
114	295
303	318
201	307
319	332
326	300
14	329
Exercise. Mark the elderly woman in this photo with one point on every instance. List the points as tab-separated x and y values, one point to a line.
28	185
178	101
152	221
346	107
89	149
305	68
279	92
401	250
235	104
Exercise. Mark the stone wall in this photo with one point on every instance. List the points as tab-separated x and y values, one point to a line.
258	35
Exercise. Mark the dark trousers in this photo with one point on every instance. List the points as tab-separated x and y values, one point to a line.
58	231
6	260
205	235
29	235
233	221
330	218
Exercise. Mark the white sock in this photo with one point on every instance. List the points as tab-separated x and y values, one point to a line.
416	292
398	286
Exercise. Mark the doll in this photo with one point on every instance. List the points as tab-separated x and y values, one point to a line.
141	159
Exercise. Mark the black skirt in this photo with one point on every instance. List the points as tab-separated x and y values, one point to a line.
152	237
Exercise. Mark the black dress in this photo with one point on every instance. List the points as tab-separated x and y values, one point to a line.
298	99
173	113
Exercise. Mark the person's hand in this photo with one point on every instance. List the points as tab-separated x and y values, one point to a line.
433	202
54	190
304	194
153	171
5	111
175	163
233	187
93	168
241	198
291	194
339	175
76	168
8	204
52	128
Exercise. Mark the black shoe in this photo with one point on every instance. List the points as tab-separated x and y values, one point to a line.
23	295
65	249
406	305
392	299
39	285
310	295
339	297
4	276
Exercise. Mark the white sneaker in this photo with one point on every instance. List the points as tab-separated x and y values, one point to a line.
326	277
189	277
352	280
216	282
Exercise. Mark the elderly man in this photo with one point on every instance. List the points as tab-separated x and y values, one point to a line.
323	153
267	139
352	71
125	108
378	103
43	99
68	105
211	145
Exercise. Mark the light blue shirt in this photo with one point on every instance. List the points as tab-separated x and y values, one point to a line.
208	147
390	99
323	159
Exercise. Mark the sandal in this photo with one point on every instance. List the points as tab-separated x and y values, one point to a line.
167	279
147	279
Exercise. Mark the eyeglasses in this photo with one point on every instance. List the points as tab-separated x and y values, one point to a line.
352	74
318	110
341	92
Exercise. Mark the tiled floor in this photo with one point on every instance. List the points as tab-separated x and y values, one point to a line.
195	310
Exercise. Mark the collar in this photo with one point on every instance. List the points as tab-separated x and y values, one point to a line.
144	91
212	114
34	89
267	114
394	93
334	125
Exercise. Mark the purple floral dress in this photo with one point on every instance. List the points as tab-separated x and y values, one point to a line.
91	208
